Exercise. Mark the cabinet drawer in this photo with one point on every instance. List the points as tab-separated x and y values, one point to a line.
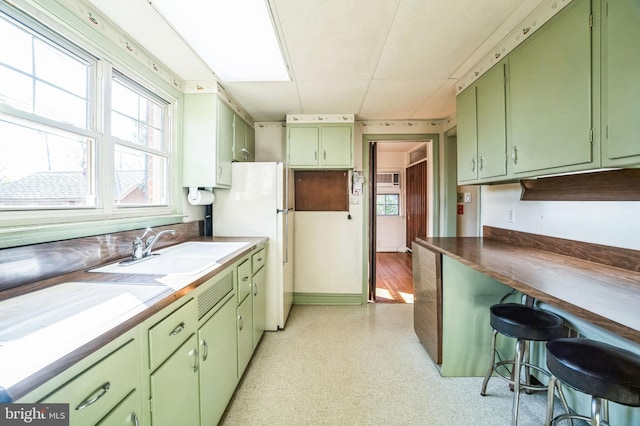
97	390
258	259
244	280
167	335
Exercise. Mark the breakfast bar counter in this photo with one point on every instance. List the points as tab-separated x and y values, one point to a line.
596	283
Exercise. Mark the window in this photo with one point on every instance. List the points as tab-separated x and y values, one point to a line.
46	147
388	204
140	150
71	146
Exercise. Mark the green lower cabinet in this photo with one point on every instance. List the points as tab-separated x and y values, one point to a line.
218	363
127	413
174	388
244	323
259	305
467	296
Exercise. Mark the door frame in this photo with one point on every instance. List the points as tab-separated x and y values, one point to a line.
433	154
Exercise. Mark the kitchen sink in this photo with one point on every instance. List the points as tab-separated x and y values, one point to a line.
186	258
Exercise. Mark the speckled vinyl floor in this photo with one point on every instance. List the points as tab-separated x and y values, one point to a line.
363	365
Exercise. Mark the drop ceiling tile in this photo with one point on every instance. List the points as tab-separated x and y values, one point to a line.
337	40
396	99
441	104
339	97
431	39
266	101
147	28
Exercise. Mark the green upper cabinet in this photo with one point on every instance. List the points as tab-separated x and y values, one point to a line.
482	139
550	96
467	135
207	141
320	146
620	83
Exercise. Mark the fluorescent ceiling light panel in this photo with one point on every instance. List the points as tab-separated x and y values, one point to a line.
236	38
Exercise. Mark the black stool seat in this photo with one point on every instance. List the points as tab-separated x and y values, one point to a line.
596	368
524	322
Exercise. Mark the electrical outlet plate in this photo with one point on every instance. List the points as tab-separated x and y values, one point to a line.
512	215
467	197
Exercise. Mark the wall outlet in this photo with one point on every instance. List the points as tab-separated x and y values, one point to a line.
512	215
467	197
460	197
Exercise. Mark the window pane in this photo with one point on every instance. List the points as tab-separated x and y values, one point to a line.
380	199
380	209
60	69
140	178
15	49
16	89
136	118
40	168
388	204
61	106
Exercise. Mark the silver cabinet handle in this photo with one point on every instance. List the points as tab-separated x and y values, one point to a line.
255	289
514	155
135	420
245	278
205	350
194	354
95	396
240	323
259	259
315	155
481	163
324	155
177	330
473	164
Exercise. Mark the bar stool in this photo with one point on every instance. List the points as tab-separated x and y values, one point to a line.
598	369
525	324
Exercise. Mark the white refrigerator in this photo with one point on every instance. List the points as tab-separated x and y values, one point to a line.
259	205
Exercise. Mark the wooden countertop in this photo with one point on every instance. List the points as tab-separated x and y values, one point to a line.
604	295
169	288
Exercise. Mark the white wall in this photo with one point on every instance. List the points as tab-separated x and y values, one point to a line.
330	255
468	223
391	230
609	223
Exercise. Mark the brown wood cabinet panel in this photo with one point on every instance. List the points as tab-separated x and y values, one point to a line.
427	302
322	190
416	204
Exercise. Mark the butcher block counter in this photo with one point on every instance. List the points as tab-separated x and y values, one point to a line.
595	283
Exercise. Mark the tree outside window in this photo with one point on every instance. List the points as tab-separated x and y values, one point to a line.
388	204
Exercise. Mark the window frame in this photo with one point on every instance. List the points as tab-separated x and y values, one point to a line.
18	225
397	194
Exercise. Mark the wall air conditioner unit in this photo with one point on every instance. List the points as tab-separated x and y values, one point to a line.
388	179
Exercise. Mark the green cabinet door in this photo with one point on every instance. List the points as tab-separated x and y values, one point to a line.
244	322
467	135
621	85
239	135
491	123
174	388
303	144
126	413
549	84
224	147
336	146
218	362
259	305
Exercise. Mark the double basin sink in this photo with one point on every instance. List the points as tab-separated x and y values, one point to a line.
186	258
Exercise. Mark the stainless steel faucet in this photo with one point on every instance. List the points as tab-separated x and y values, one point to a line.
142	249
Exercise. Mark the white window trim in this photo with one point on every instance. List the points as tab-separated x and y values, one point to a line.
34	226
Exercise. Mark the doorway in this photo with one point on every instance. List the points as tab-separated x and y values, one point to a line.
400	191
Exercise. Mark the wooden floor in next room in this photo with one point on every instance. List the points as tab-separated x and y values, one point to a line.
394	278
